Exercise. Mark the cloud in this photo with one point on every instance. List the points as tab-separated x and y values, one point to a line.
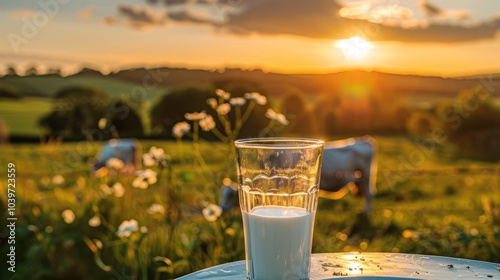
432	10
185	16
322	19
316	19
429	9
443	32
319	19
170	2
140	17
390	15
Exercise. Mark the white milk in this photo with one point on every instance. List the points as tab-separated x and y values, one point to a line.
278	242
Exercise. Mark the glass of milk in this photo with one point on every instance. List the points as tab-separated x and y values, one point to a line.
278	184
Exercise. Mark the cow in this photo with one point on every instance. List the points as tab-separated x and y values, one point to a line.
350	165
347	165
126	150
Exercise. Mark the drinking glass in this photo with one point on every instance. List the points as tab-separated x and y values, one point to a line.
278	184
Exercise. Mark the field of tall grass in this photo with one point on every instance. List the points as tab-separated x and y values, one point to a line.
164	223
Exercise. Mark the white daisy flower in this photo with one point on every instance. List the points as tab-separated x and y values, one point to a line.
271	114
68	216
195	116
118	189
115	163
155	156
257	97
222	93
144	179
156	208
223	109
180	129
237	101
95	221
212	103
126	228
212	212
207	123
58	180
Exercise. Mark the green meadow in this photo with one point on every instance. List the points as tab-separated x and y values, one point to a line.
22	116
160	223
429	201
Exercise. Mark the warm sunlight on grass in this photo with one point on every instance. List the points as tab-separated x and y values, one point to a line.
354	47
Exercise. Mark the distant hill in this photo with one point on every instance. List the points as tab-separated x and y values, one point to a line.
158	80
316	84
48	85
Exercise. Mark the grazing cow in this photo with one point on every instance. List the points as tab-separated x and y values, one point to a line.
126	150
348	165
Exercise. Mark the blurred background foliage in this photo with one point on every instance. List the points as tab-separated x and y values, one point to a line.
445	203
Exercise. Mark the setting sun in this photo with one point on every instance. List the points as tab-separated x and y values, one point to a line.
354	47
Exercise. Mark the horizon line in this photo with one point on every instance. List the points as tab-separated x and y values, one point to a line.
105	70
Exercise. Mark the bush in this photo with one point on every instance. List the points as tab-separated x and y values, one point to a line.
77	111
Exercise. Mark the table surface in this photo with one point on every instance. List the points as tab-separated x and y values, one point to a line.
372	266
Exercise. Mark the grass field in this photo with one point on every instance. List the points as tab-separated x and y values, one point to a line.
434	204
49	85
22	116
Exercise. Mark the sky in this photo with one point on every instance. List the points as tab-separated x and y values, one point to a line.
435	37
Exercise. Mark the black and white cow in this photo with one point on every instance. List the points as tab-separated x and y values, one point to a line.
348	165
126	150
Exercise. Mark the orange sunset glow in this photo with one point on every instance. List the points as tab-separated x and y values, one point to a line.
409	37
249	139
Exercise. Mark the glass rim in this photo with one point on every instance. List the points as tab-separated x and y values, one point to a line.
279	142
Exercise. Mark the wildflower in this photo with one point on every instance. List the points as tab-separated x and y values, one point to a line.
222	93
207	123
98	243
257	97
49	229
144	179
155	156
230	231
127	227
33	228
212	212
95	221
144	229
106	189
118	189
271	114
156	208
115	163
195	116
180	129
101	172
58	180
68	216
148	159
36	211
103	122
237	101
223	109
212	103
